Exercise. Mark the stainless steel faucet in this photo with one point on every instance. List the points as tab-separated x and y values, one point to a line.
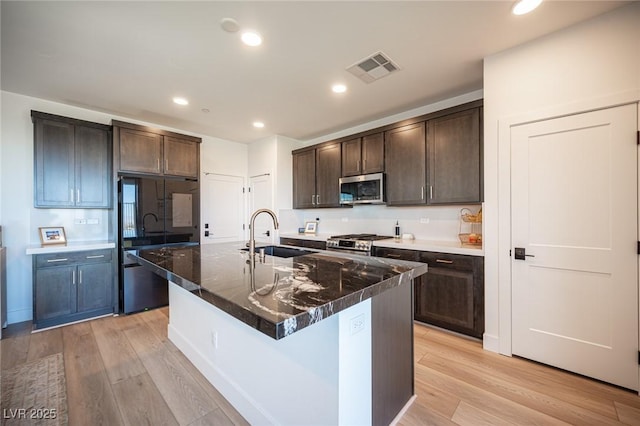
252	241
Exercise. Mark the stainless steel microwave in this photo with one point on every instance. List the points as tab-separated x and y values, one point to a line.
363	189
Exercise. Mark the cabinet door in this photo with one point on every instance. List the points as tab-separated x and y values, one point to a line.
181	157
54	163
455	158
304	179
328	171
93	167
351	157
140	151
404	164
373	153
55	292
444	297
95	286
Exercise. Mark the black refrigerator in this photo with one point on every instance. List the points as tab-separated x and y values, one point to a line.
152	212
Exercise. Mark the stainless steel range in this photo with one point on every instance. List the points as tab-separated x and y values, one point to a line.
354	243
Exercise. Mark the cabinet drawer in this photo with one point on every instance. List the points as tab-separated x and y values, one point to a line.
73	258
445	260
400	254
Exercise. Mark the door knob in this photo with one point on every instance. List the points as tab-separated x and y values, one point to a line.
268	233
520	253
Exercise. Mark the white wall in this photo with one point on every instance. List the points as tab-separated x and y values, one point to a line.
20	220
591	65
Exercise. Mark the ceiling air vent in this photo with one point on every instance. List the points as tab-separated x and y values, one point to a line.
373	67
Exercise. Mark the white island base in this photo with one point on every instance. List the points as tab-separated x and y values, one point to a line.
320	375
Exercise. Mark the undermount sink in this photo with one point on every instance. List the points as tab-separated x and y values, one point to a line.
278	251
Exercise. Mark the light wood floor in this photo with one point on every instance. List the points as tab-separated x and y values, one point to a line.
123	370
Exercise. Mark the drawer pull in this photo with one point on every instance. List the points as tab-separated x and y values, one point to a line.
56	260
95	256
448	262
395	256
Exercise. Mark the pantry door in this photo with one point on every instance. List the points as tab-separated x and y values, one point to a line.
222	208
261	197
574	198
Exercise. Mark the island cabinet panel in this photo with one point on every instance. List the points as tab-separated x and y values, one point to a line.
72	162
405	164
363	155
71	286
454	152
391	345
316	173
148	151
451	294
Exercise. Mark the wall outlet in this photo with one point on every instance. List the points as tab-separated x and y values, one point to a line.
80	221
93	221
424	220
357	324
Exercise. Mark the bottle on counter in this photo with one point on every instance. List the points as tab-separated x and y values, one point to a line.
397	231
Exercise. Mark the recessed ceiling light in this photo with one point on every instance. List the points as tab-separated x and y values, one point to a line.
258	124
251	38
525	6
180	101
230	25
339	88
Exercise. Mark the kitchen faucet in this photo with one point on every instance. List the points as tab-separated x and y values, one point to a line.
252	241
144	217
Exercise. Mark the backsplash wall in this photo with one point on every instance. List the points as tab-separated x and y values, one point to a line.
438	223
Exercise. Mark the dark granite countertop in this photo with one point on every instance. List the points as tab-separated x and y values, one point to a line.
280	295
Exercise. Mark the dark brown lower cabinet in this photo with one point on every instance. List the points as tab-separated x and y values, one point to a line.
451	294
299	242
72	286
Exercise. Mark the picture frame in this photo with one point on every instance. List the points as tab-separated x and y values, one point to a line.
52	235
310	227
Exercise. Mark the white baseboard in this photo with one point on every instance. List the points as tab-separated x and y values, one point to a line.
19	315
491	343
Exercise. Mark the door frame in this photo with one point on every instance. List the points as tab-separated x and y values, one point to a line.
500	247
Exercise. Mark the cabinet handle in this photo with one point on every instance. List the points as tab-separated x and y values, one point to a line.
313	200
158	164
431	192
358	165
72	196
77	196
166	164
80	276
364	164
317	199
56	260
448	262
73	277
95	256
422	193
395	256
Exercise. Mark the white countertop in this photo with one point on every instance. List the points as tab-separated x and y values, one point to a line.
452	247
71	246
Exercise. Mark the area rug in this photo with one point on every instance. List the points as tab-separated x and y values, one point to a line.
35	393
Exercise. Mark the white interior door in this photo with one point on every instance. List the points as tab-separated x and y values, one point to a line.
574	195
222	208
261	197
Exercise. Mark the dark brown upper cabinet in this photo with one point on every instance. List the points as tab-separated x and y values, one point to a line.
143	150
363	155
315	177
454	153
404	164
72	162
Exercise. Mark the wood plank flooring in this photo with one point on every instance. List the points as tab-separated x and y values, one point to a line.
124	371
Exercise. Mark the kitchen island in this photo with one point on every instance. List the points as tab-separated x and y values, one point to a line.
318	338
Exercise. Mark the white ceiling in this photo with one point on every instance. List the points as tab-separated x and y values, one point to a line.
132	58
